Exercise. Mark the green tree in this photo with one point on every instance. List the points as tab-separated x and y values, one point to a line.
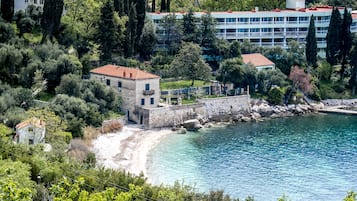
10	63
353	63
275	96
351	196
189	26
333	38
131	29
234	49
173	36
148	40
230	71
140	8
163	6
346	41
7	32
50	22
311	45
39	83
7	9
189	64
324	71
70	85
107	32
208	38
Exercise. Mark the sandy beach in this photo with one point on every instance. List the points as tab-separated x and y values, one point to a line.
127	149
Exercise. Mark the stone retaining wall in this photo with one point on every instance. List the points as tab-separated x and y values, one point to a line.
205	109
337	102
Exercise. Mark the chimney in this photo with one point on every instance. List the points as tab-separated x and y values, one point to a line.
256	9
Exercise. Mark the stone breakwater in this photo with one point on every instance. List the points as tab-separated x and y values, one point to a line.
340	102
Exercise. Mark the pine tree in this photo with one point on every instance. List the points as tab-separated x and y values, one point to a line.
7	9
190	30
107	32
346	41
51	18
311	45
333	38
208	38
147	40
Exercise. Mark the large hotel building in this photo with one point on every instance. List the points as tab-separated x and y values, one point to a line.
269	28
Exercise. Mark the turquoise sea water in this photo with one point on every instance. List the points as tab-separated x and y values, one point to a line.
311	158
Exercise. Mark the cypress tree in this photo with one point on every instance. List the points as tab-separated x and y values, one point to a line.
51	18
163	6
140	12
7	9
353	63
346	41
107	32
131	31
153	6
333	38
311	44
168	5
119	7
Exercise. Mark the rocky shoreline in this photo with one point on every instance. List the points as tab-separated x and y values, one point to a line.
260	110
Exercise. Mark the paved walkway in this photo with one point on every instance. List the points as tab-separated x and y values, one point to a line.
337	110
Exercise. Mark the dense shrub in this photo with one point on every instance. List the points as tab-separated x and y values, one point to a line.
275	96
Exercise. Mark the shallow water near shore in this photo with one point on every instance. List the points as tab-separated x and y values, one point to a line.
306	158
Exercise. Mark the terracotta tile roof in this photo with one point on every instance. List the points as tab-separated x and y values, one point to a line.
256	59
123	72
34	121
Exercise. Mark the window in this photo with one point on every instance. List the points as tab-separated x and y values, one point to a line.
119	84
231	20
303	19
152	101
108	82
220	20
142	101
292	19
147	87
30	129
30	141
278	19
255	30
42	2
266	29
242	20
267	19
242	30
35	1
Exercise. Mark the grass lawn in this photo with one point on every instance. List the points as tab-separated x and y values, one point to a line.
181	84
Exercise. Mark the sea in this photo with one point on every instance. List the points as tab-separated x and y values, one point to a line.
306	158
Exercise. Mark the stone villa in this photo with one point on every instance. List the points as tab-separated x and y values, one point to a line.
31	131
136	87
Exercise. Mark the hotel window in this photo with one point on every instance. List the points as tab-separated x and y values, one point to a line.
304	19
108	82
279	19
255	20
266	29
42	2
35	1
119	84
304	29
220	20
142	101
242	30
255	30
147	87
292	19
267	19
26	1
231	20
152	101
242	20
278	30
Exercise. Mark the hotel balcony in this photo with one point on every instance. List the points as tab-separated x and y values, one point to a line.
148	92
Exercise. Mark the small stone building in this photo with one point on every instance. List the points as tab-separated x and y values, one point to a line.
138	89
31	131
259	61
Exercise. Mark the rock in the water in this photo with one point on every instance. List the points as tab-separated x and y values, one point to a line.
181	130
192	125
246	119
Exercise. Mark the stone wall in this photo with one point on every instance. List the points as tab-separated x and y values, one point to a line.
205	109
170	116
230	105
337	102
